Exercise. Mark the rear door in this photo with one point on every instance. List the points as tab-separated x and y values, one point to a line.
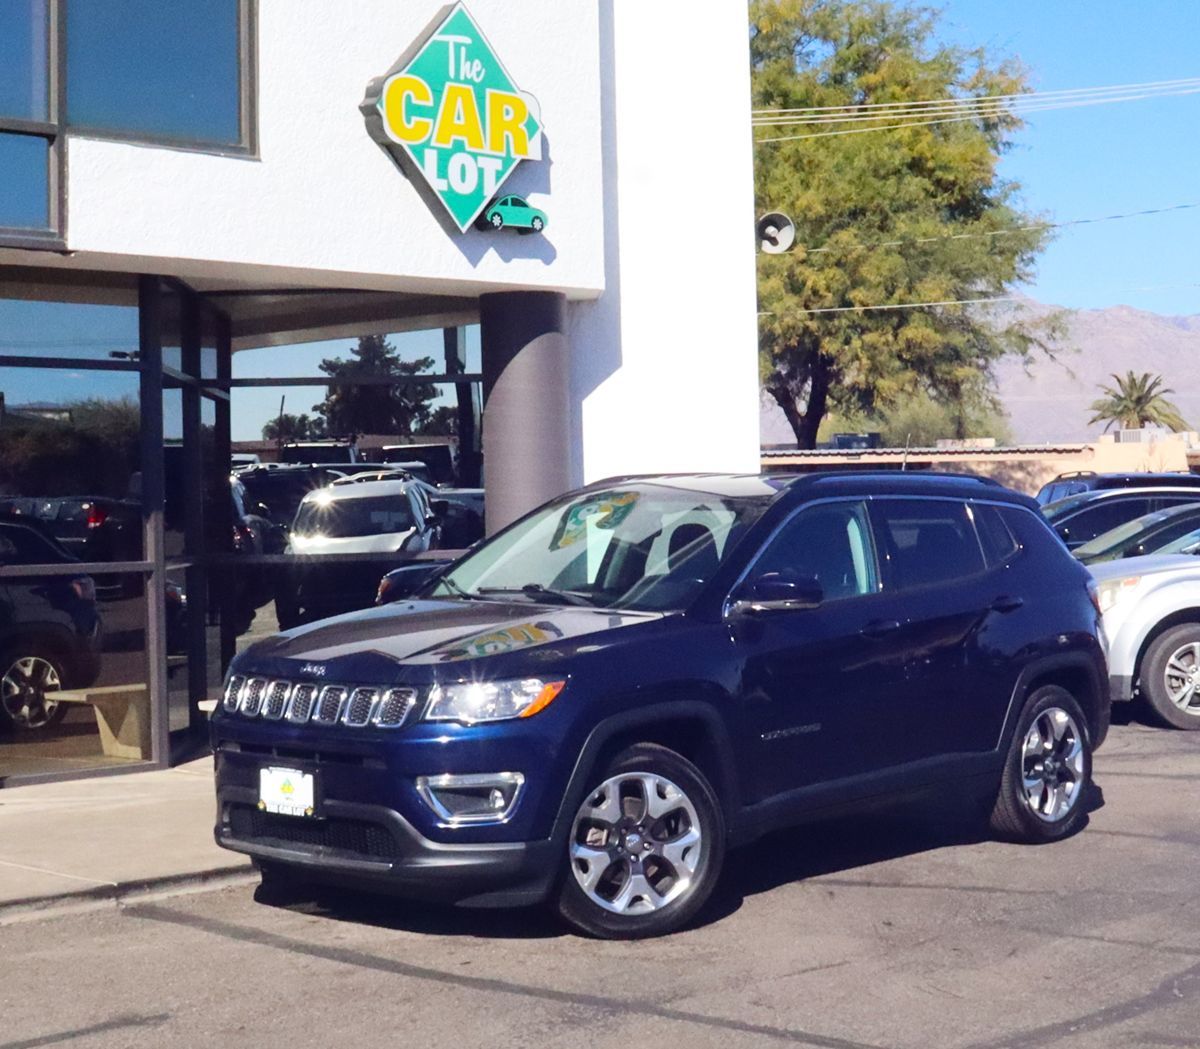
935	567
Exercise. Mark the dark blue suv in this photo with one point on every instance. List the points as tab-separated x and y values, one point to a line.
594	705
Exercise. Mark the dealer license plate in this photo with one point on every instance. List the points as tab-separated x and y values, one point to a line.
288	792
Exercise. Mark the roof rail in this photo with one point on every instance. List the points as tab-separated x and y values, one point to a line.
892	475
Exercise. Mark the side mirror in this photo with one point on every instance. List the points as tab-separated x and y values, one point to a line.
777	592
1136	551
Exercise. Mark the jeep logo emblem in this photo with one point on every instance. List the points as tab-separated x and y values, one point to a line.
313	669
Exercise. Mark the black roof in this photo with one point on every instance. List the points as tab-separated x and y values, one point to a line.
839	482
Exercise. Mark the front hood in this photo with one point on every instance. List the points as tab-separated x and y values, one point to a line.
442	632
1151	564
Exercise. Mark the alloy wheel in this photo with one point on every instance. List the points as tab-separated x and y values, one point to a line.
1053	764
635	844
23	692
1181	678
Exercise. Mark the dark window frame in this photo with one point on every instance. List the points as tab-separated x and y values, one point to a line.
247	147
52	237
55	128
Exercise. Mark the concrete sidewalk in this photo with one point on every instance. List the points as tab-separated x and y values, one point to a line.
90	843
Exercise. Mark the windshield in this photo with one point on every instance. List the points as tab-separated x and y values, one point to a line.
641	547
1185	544
351	518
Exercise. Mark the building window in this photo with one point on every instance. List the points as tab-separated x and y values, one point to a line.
24	86
30	150
172	73
24	189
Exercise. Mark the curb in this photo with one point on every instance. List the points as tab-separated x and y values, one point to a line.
118	895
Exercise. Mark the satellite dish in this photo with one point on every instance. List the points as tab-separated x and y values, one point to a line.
776	233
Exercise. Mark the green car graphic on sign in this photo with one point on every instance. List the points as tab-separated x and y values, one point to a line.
513	213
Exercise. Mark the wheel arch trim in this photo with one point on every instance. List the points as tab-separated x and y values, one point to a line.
673	713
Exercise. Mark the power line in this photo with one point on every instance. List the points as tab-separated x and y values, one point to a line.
970	100
1018	229
959	114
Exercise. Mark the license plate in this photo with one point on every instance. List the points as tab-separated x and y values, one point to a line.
288	792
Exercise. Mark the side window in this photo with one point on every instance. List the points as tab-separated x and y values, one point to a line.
996	538
1164	502
829	543
1098	519
926	541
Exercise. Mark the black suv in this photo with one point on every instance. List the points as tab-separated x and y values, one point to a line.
595	704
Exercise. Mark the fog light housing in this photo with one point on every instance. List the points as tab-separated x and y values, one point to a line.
473	799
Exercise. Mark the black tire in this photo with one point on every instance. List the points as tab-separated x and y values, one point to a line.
497	222
1169	659
1013	816
28	713
669	828
537	225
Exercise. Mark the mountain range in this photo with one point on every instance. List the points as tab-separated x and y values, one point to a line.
1047	401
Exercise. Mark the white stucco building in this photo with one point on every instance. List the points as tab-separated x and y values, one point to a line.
231	174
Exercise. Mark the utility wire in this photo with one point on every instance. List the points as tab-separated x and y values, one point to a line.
970	100
1018	229
955	115
985	108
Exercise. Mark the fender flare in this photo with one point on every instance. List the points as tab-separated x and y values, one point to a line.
671	711
1047	665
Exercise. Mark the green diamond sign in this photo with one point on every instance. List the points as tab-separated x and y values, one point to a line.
450	110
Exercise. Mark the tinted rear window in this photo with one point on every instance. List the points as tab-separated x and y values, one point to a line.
348	518
995	536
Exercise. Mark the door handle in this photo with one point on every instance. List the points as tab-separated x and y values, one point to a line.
1005	603
880	627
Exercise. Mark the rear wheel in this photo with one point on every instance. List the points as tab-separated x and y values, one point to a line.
497	222
1170	677
1047	772
645	847
29	672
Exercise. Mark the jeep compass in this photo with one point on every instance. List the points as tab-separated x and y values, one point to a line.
595	705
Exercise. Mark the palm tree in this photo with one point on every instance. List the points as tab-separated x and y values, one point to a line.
1135	401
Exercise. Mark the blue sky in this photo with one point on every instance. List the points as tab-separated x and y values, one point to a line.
1103	160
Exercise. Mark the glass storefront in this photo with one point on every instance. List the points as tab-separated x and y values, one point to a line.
165	501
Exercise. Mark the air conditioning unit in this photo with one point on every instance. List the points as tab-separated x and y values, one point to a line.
1142	436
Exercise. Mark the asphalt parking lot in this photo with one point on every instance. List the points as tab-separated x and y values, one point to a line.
904	929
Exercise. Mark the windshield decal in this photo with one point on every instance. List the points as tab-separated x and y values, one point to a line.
608	510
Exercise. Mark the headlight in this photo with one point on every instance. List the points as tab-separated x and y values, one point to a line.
1113	590
472	701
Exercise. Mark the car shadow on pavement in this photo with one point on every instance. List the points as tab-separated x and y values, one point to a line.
835	846
417	916
810	851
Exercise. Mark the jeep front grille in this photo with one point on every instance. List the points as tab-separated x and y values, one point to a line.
303	703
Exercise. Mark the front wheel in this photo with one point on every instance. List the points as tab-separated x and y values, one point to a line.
537	225
1170	677
1047	772
28	674
497	222
645	848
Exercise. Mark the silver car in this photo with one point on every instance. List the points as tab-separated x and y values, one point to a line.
1151	624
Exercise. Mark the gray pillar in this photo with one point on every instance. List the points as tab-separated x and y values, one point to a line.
526	431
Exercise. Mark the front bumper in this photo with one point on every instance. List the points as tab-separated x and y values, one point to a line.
372	829
375	848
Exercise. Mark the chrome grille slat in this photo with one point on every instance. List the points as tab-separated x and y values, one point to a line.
233	691
276	699
252	696
300	707
360	707
394	707
329	704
